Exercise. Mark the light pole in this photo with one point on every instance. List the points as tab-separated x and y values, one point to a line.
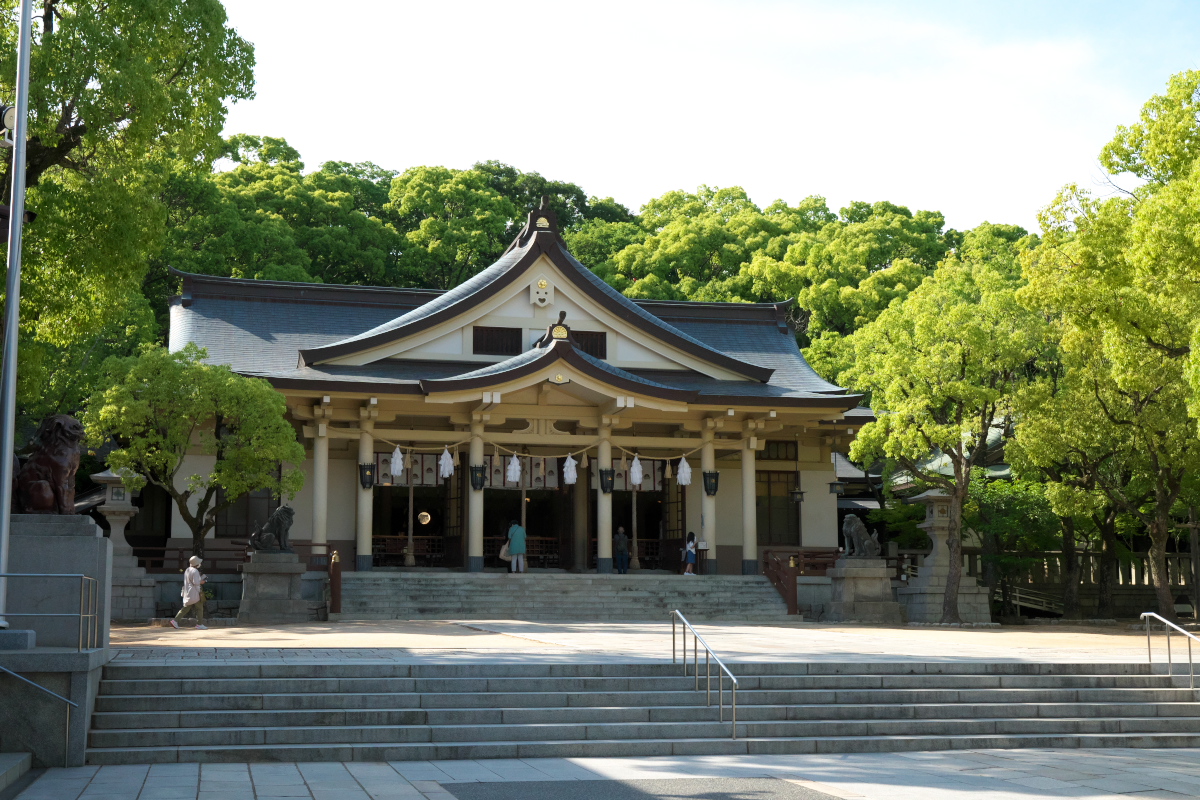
12	300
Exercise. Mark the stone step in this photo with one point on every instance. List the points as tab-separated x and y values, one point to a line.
12	767
151	671
318	700
408	733
607	684
596	748
411	715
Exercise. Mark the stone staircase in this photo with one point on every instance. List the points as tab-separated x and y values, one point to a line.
384	712
552	596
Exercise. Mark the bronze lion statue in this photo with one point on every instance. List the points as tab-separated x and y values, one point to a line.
274	535
46	481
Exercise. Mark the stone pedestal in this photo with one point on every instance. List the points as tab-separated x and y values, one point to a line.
271	590
862	592
59	544
925	595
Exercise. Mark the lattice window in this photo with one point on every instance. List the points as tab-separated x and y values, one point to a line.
497	341
594	343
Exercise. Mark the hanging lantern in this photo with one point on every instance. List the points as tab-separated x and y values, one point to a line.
636	475
514	470
606	480
570	475
685	472
478	476
710	482
366	475
446	463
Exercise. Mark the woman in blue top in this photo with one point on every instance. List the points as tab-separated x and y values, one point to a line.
516	546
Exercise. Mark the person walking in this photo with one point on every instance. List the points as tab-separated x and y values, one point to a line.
516	546
193	595
621	551
689	555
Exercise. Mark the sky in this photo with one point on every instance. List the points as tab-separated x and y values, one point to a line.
981	110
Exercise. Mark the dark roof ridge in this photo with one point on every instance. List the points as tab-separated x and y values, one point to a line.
198	284
538	358
503	273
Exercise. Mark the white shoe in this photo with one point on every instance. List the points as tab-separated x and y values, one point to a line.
201	627
174	624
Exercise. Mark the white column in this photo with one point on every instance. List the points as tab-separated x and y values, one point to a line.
475	505
604	529
749	512
364	521
708	505
320	533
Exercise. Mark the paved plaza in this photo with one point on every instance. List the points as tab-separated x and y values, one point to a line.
990	775
498	641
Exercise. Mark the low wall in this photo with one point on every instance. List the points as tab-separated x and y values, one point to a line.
227	592
32	721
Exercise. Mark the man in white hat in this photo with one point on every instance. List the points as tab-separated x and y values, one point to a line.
193	598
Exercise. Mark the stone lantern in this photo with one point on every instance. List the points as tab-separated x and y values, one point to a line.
133	593
925	595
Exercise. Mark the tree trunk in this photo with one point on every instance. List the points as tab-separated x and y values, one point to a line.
1158	568
1194	558
1071	570
954	555
1108	565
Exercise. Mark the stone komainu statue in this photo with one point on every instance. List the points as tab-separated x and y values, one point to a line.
274	535
865	545
46	481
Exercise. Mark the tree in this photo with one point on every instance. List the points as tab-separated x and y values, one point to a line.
453	222
941	366
116	90
158	407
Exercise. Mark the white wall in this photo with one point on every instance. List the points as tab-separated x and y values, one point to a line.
192	465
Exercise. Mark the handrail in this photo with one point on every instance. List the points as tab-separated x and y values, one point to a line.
70	704
708	654
89	592
1167	625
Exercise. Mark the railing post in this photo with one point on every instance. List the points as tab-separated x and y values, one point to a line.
335	583
696	657
673	639
1149	654
734	717
707	679
1170	664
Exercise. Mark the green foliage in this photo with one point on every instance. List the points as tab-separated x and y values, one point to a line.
1016	514
159	407
1164	145
117	90
454	223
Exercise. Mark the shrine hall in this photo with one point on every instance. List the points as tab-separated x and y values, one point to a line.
532	392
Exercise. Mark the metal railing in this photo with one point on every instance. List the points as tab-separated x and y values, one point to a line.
70	704
89	616
1167	626
709	657
1029	598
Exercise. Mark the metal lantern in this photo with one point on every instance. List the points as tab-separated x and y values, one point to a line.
796	495
837	487
366	475
710	482
478	476
606	480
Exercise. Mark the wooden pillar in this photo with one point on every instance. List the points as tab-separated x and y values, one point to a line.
749	511
580	498
320	533
708	504
475	505
364	522
604	529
